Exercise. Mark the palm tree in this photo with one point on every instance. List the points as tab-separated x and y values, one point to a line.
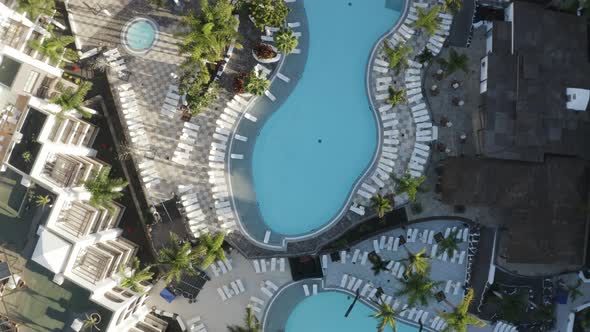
417	263
250	321
34	8
55	48
286	41
396	96
453	5
455	62
428	20
101	64
210	249
177	259
209	33
449	244
574	290
418	288
398	55
460	319
103	189
256	84
410	185
91	322
72	100
42	201
381	204
378	264
268	13
386	316
137	276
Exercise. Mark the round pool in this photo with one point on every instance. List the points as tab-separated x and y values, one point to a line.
311	152
139	35
325	312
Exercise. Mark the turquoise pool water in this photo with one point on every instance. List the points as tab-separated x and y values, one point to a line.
140	35
325	312
311	151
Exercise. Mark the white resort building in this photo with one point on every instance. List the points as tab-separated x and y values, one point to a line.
53	149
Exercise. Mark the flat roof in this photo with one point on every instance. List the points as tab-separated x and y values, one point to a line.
539	203
525	113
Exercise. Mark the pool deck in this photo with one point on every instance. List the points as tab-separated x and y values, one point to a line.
440	271
215	313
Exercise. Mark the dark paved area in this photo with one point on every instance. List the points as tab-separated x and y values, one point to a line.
539	204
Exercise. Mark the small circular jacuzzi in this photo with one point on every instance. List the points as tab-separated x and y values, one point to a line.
139	35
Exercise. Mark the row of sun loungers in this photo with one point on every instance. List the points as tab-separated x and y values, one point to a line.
350	282
148	173
133	119
116	61
256	304
454	287
192	209
274	264
182	153
195	325
504	327
171	102
237	288
217	158
269	288
221	267
314	289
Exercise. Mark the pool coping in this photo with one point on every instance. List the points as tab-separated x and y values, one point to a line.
324	288
126	28
364	175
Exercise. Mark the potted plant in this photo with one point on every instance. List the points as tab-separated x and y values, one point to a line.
265	53
91	322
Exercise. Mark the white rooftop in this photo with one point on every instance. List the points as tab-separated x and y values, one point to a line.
51	251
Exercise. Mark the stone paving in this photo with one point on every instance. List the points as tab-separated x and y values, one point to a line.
459	119
151	75
405	128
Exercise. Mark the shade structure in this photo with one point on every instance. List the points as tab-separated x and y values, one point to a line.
51	251
167	295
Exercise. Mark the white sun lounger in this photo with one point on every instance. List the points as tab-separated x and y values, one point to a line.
364	258
306	289
221	294
351	283
355	256
343	257
266	291
376	246
315	289
357	285
343	280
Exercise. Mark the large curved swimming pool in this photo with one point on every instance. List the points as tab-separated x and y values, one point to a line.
311	152
325	312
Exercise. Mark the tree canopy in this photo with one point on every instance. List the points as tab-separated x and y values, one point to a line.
268	13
